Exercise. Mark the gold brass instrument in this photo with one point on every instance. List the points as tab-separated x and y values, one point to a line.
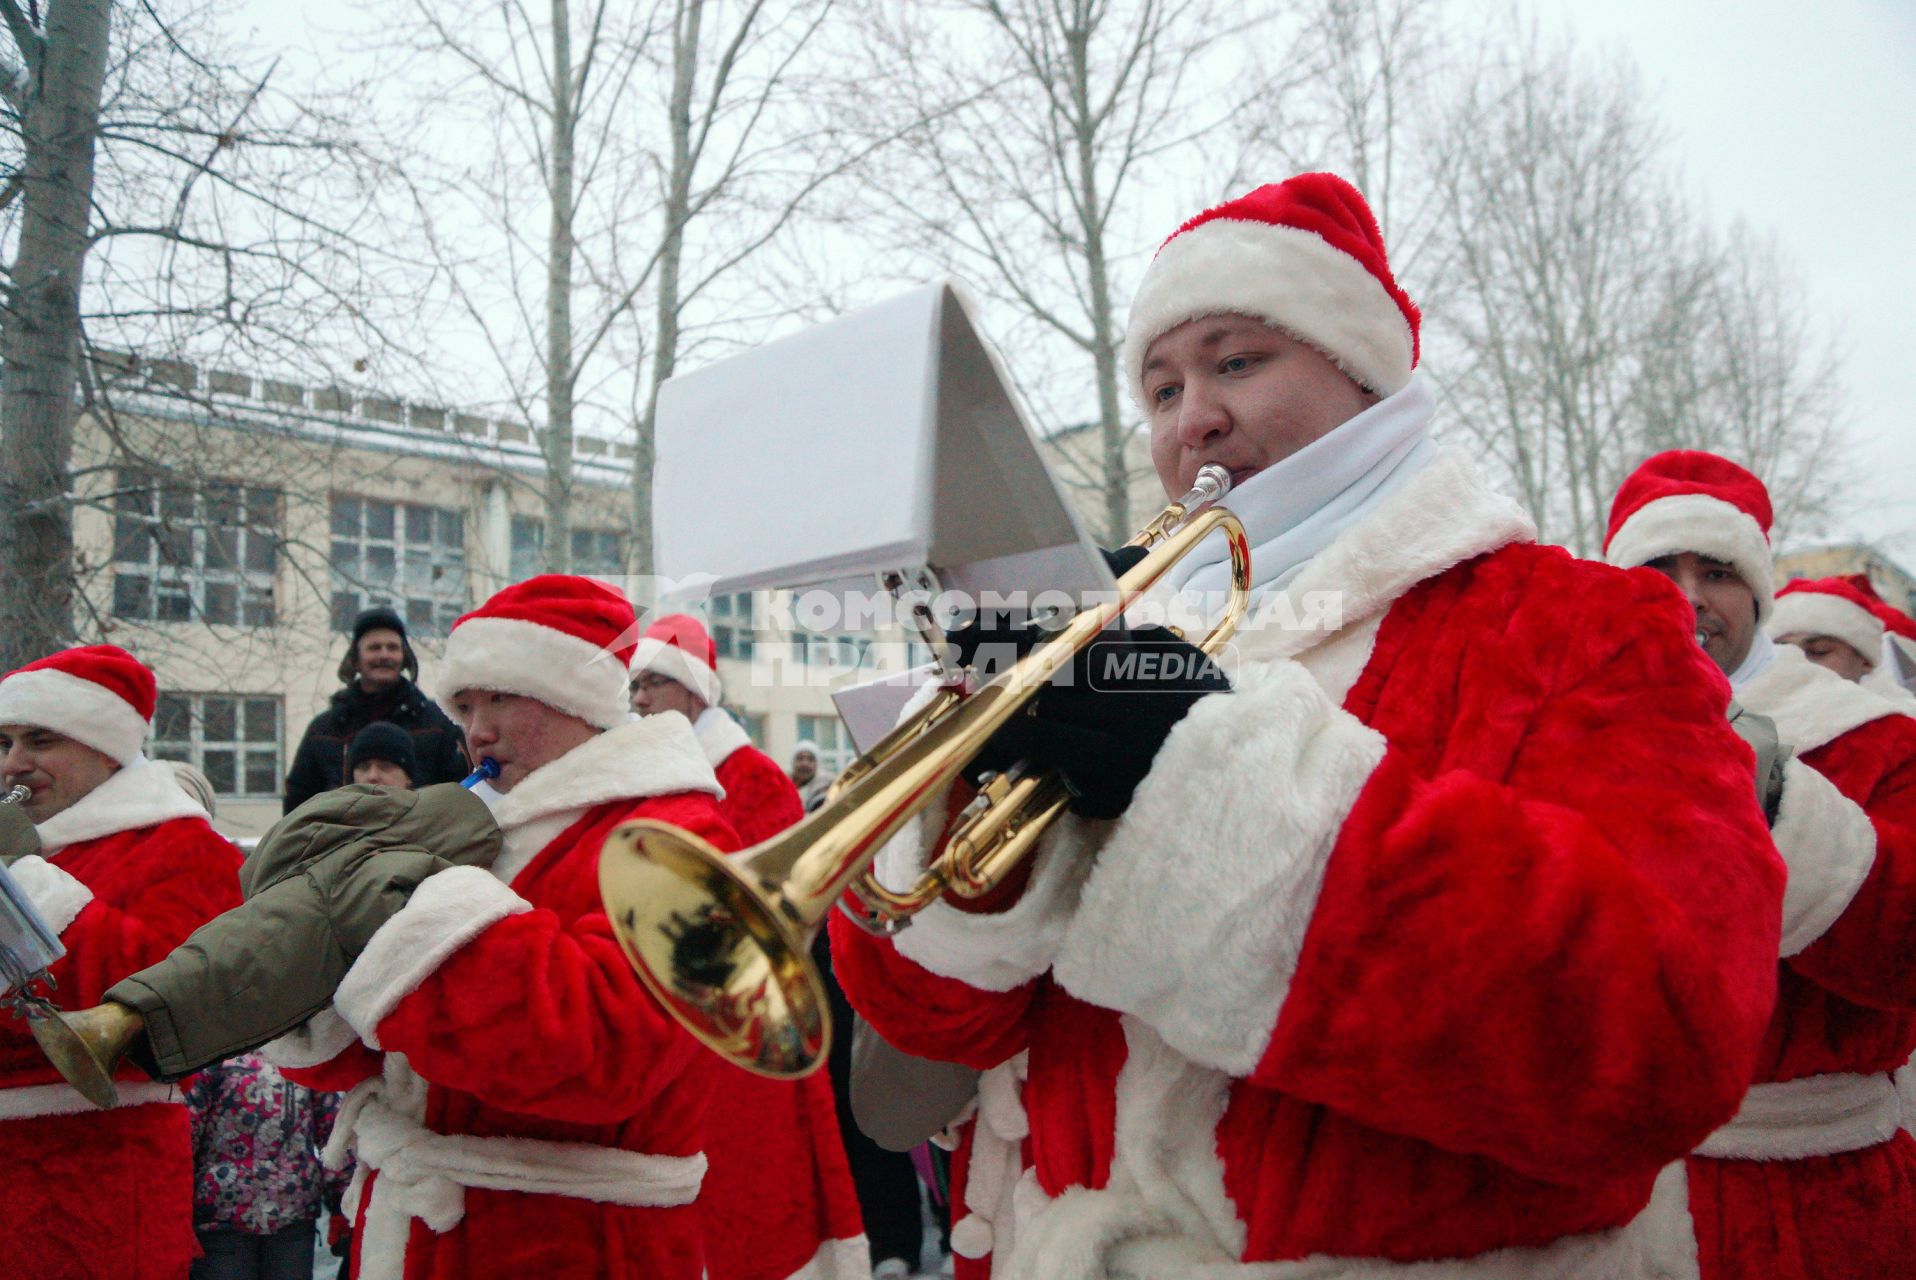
724	941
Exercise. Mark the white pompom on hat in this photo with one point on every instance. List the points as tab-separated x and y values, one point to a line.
98	694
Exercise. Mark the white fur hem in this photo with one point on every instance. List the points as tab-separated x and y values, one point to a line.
510	655
1814	1116
446	911
87	712
651	756
319	1039
30	1101
848	1258
1707	526
53	891
1194	916
672	662
1285	276
1099	1235
1829	845
1817	613
143	794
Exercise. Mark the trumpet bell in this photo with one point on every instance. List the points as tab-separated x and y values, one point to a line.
722	953
85	1047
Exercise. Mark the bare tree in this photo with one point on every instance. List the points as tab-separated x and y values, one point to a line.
1030	128
157	196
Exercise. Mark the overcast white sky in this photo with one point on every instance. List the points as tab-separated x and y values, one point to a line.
1797	117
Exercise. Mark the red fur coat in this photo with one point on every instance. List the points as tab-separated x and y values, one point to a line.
124	875
1431	943
1816	1179
520	1106
779	1202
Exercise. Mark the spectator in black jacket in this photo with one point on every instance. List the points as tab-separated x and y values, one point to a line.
378	671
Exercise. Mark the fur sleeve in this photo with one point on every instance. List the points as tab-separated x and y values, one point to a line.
1547	929
1864	954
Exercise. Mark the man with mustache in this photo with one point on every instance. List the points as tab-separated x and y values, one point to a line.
1399	958
1814	1176
378	674
122	864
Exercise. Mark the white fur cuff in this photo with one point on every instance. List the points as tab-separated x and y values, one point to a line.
998	952
1194	917
1828	844
319	1039
446	912
55	894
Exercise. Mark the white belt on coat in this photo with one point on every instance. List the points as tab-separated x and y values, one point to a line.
29	1101
424	1174
1814	1116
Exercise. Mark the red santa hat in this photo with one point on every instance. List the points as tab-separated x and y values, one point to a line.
679	648
1830	607
1304	256
559	638
98	694
1687	500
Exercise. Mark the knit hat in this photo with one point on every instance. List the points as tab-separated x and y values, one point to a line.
383	740
805	745
1687	500
98	694
1830	607
1304	256
560	638
678	647
378	618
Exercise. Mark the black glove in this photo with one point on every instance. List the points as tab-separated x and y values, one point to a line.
1100	724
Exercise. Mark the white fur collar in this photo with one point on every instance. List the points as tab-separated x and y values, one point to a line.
654	756
719	736
1810	705
1443	516
143	794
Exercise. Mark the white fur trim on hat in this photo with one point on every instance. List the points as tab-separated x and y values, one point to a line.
1706	526
1290	278
88	713
674	663
1817	613
510	655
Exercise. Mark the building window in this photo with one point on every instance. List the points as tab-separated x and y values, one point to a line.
232	738
835	749
730	620
406	557
184	551
597	552
753	722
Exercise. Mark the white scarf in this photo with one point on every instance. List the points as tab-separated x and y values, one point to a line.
1294	508
1762	653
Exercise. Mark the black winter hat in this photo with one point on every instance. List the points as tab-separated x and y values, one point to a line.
378	618
382	740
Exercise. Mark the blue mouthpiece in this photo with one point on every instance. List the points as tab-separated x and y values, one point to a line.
488	770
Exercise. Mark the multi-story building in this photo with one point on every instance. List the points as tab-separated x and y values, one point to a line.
227	528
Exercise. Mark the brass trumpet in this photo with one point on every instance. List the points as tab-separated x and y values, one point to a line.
724	941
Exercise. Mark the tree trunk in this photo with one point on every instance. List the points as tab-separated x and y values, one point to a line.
40	341
559	371
1114	466
665	341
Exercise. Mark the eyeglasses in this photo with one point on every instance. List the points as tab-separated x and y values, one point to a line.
648	682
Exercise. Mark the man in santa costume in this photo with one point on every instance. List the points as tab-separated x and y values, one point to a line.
1813	1178
127	866
1843	624
779	1201
519	1105
1399	959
